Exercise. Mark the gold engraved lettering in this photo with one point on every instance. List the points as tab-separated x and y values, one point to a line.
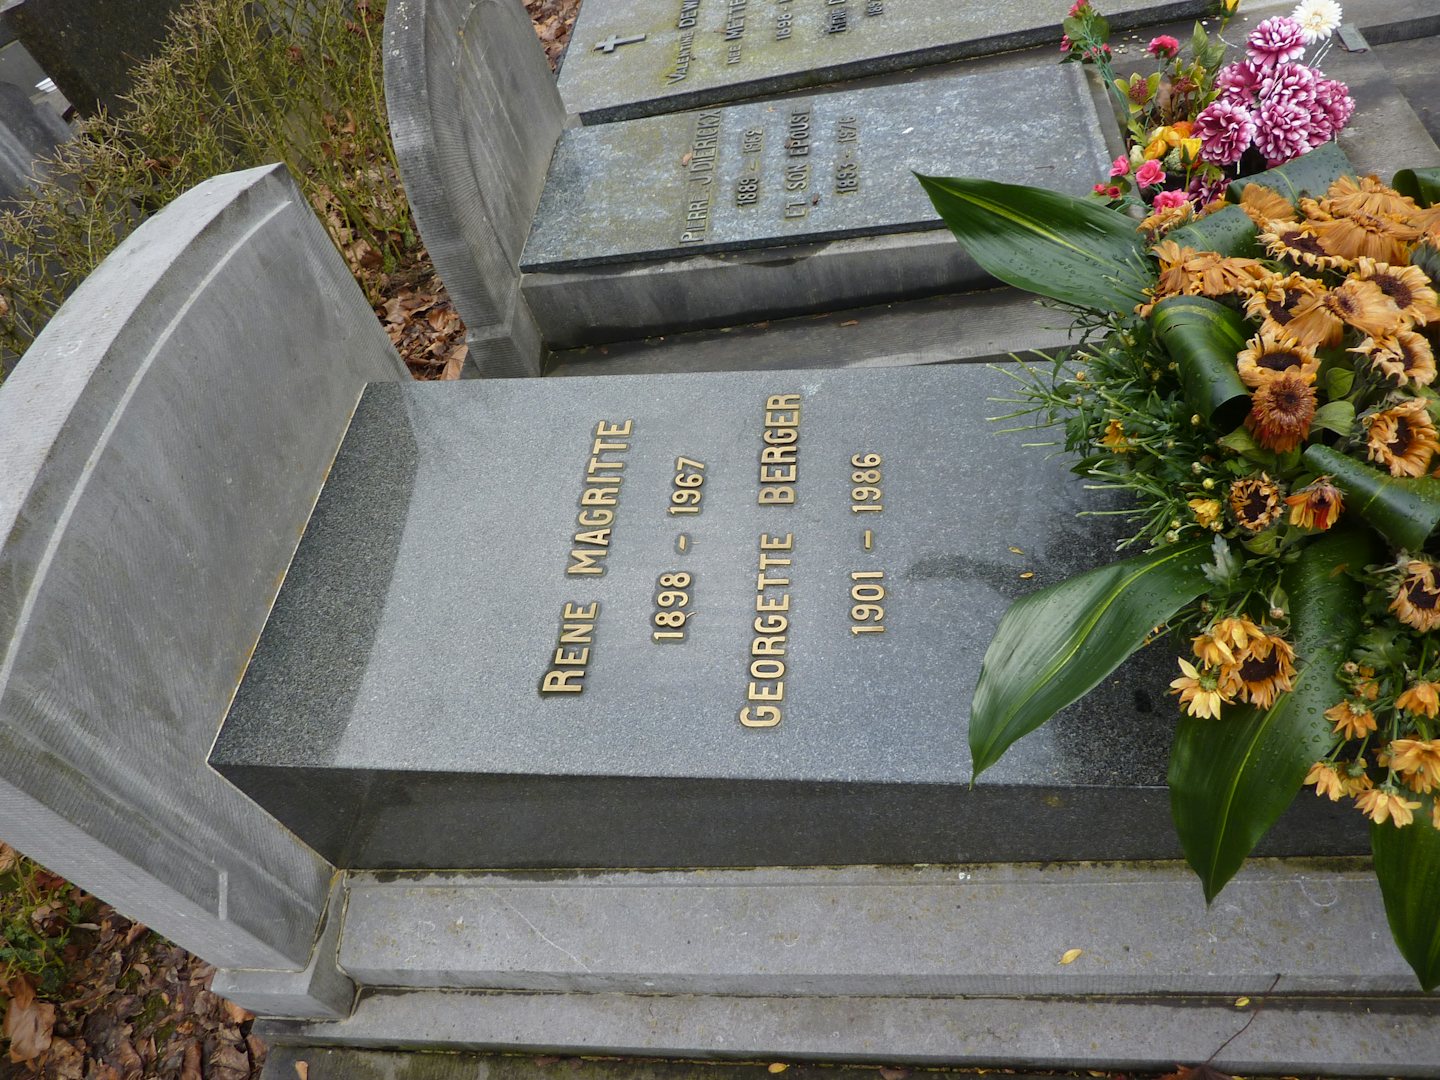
593	527
770	642
762	716
780	456
566	674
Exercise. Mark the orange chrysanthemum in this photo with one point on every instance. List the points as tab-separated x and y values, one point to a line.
1275	301
1316	506
1352	719
1255	502
1379	806
1266	355
1265	669
1367	195
1417	760
1408	287
1326	779
1421	698
1265	205
1417	600
1370	236
1281	411
1402	438
1403	357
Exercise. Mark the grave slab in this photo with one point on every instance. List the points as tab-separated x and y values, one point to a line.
804	169
470	664
631	58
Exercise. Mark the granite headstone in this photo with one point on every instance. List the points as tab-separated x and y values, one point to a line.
688	620
632	58
802	169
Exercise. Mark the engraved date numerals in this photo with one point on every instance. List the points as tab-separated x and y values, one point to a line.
866	590
865	496
672	604
689	479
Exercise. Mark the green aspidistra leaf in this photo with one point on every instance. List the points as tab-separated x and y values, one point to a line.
1311	174
1404	510
1232	777
1203	338
1422	185
1407	865
1229	232
1068	249
1056	645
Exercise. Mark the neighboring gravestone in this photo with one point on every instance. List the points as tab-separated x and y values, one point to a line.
89	46
712	218
630	58
806	169
164	440
690	620
27	132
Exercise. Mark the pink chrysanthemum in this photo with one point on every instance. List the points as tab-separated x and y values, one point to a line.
1289	82
1282	131
1277	40
1331	111
1225	130
1239	81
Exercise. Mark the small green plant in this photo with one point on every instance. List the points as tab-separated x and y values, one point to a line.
237	83
37	911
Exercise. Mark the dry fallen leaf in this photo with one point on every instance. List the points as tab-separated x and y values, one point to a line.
1241	1002
302	1070
1070	956
1027	575
28	1023
778	1067
1017	551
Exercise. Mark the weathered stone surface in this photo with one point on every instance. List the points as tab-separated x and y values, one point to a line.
1303	1035
1144	929
393	717
770	174
164	439
696	52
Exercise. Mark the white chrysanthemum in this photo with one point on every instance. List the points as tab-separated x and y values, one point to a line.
1318	19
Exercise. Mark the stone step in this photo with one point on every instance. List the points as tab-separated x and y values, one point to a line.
1268	1035
1282	927
975	326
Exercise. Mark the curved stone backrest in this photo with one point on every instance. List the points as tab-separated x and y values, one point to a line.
163	442
474	115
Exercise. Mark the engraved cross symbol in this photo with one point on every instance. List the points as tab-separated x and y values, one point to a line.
610	44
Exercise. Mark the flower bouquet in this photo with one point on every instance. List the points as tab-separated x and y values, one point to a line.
1195	123
1261	380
